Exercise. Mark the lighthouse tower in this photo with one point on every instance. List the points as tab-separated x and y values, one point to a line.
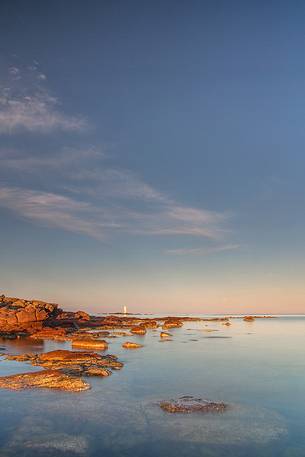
125	309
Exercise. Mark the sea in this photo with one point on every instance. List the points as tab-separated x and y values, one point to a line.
257	368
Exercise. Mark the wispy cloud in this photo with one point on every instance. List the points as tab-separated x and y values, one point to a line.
12	160
27	105
101	220
203	251
54	210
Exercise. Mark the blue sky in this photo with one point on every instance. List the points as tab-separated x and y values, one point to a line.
152	154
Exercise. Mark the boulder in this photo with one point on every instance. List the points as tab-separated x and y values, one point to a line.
165	335
172	323
131	345
90	343
138	330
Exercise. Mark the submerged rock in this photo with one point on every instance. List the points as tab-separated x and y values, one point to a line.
189	404
50	379
239	425
55	444
131	345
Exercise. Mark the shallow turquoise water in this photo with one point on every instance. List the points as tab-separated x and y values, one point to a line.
259	368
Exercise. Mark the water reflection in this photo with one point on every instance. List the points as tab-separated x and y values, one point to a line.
21	345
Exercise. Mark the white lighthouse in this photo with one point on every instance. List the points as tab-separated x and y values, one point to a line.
124	309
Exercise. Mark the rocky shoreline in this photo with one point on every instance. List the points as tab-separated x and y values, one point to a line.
65	369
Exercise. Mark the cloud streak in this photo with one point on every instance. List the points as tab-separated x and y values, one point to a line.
203	251
50	210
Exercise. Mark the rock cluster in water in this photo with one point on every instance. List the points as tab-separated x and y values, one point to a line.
63	369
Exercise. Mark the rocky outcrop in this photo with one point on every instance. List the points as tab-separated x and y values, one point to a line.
18	315
46	379
189	404
131	345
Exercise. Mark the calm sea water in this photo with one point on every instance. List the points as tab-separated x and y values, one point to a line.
259	368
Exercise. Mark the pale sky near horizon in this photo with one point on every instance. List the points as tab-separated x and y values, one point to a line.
152	154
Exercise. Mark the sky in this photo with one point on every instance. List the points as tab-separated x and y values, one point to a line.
152	155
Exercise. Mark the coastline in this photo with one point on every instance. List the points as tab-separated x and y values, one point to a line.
36	320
